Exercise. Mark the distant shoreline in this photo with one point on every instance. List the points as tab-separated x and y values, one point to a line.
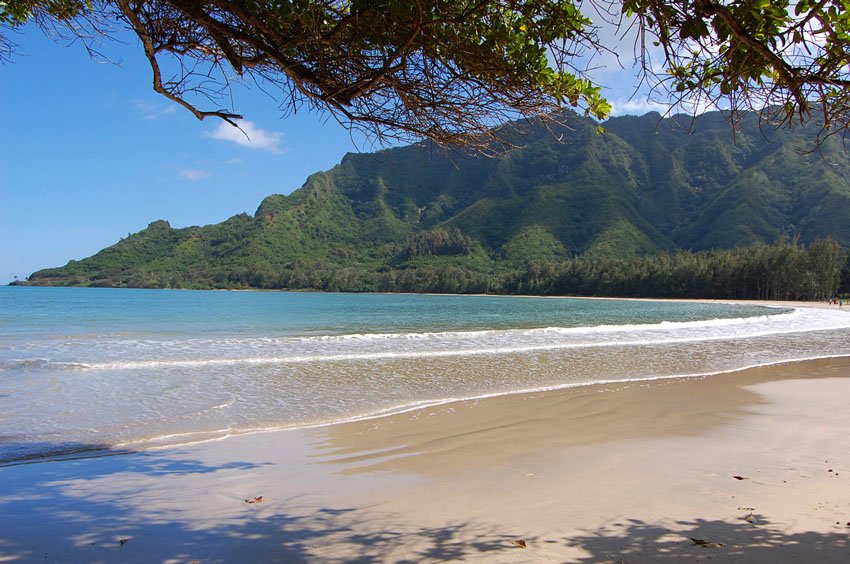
778	303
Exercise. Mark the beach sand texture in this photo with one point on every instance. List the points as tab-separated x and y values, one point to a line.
752	466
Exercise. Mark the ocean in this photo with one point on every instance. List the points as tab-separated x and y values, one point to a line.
98	371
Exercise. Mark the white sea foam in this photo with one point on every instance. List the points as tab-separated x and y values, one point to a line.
250	351
581	330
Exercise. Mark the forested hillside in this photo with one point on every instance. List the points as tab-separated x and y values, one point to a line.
626	212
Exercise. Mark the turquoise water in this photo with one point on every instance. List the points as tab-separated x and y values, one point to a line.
77	311
89	369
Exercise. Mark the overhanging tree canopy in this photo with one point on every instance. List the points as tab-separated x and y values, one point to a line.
449	70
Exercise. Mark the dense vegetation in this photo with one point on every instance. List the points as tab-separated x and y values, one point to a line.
784	270
606	214
779	272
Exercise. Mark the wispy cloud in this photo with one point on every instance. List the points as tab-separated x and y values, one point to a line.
637	106
691	105
152	111
248	135
193	174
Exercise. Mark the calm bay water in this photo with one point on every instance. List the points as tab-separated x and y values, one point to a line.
85	369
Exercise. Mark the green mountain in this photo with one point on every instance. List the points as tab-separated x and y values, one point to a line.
418	218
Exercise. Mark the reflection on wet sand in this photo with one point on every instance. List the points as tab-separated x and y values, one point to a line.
482	433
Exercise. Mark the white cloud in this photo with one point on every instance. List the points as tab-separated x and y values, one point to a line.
691	105
193	174
248	135
151	111
637	106
696	105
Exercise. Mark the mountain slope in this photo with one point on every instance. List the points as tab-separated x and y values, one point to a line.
646	185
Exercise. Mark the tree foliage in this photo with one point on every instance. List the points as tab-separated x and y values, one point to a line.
788	57
785	270
450	70
437	242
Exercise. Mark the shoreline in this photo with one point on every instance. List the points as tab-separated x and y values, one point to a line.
149	445
740	301
749	461
606	473
502	362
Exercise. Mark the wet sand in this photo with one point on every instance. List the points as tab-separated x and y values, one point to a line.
631	472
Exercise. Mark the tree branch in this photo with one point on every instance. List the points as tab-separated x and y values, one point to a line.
150	53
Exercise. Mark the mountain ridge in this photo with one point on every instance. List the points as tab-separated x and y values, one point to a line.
643	187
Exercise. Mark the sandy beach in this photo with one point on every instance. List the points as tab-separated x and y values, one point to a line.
750	466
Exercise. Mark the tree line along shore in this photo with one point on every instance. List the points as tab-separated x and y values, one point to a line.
781	271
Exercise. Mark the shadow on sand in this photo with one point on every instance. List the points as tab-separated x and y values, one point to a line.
81	511
58	510
699	539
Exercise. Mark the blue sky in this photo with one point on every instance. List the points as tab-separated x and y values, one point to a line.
89	153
